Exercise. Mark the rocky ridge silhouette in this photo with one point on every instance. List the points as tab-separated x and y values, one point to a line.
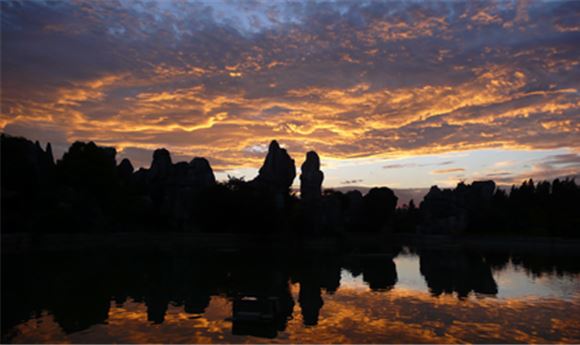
86	191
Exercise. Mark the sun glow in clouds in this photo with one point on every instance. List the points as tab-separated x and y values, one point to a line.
365	85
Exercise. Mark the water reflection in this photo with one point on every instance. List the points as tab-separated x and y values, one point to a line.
217	297
456	271
378	270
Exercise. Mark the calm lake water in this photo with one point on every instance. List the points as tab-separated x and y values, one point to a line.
404	295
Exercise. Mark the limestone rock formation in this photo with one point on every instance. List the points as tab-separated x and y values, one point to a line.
175	188
278	171
354	209
24	164
201	173
311	177
50	156
89	165
125	169
161	165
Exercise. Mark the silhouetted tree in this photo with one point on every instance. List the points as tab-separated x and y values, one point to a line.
379	208
407	218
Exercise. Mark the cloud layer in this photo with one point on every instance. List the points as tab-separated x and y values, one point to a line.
348	79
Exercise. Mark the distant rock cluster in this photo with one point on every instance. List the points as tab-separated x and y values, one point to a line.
31	166
449	211
174	188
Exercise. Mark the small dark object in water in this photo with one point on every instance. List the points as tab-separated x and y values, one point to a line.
255	315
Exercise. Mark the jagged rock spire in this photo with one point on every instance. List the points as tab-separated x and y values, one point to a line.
125	169
201	172
49	154
161	164
278	171
311	177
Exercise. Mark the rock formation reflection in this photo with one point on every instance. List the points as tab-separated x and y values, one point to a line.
264	294
455	271
377	270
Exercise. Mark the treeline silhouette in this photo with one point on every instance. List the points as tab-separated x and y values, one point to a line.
539	209
86	191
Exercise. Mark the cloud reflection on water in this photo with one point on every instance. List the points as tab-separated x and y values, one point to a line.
352	315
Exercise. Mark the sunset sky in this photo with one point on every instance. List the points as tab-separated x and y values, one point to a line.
404	94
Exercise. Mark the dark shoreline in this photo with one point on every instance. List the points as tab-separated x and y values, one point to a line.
224	243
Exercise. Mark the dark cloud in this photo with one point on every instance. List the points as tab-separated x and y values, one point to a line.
565	159
499	174
413	165
447	171
349	182
549	168
399	166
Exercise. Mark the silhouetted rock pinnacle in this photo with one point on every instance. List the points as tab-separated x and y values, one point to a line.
89	165
201	173
25	166
161	165
50	157
278	171
125	169
311	177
